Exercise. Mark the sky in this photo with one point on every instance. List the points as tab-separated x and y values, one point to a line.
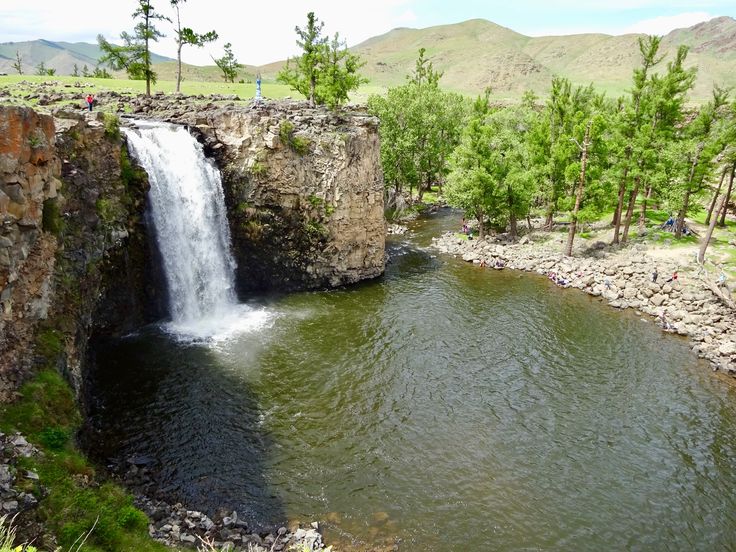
263	31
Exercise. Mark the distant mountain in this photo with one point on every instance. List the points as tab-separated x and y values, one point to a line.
476	54
55	55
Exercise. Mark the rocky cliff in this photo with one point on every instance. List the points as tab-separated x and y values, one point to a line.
72	242
304	190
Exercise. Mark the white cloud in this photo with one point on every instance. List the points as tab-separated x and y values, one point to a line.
664	24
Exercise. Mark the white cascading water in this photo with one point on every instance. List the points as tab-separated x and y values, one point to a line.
188	211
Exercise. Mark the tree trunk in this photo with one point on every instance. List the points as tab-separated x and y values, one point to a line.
148	58
680	222
548	220
643	211
620	205
711	226
178	69
312	89
579	195
630	209
715	196
728	195
178	49
512	226
481	229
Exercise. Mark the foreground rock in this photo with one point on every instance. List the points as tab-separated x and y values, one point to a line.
622	277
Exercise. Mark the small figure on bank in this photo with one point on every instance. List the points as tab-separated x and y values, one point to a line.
482	263
90	101
607	283
464	226
258	87
663	321
500	264
655	274
672	278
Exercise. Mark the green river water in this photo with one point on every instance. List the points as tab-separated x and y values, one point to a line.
442	407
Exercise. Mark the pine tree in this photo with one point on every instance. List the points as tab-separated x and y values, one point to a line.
134	56
228	64
326	71
18	63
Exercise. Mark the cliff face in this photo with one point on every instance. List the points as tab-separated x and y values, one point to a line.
304	190
72	242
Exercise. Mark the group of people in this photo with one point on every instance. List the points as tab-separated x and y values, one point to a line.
498	265
558	279
672	278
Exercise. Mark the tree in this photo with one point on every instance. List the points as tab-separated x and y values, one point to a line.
338	74
18	64
301	73
326	71
75	72
420	127
134	56
100	73
186	36
471	183
85	71
41	69
228	64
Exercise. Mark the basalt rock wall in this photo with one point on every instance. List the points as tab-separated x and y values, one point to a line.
304	190
73	248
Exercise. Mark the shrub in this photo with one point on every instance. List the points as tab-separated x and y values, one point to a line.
299	144
112	126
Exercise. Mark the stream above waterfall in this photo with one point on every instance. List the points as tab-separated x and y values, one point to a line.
440	407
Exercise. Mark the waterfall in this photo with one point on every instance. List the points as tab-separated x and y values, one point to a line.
188	212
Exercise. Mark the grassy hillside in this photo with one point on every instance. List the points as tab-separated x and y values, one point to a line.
55	55
473	55
477	53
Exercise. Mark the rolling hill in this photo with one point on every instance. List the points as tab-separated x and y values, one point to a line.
477	53
472	55
61	56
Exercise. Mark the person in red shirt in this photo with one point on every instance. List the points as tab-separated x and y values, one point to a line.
90	101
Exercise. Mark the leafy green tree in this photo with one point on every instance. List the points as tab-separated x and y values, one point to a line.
338	74
302	72
134	56
101	73
75	72
326	71
85	71
471	185
41	69
228	64
187	37
420	127
702	143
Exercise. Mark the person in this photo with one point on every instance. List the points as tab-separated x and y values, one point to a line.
464	226
90	101
482	263
663	321
722	279
672	278
258	87
500	264
655	274
607	283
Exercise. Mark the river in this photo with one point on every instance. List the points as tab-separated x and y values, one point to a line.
443	407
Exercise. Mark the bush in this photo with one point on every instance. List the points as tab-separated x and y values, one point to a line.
299	144
112	126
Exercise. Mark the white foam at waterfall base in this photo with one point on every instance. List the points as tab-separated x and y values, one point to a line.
187	207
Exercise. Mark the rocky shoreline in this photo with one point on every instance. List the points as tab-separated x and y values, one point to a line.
176	525
623	277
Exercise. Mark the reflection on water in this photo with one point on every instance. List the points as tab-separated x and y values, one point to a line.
449	407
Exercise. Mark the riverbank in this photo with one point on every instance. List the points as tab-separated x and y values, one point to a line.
623	277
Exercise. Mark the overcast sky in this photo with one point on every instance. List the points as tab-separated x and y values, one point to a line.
263	31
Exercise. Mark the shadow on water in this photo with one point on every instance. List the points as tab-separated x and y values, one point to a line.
176	408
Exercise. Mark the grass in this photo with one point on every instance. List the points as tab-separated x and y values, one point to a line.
85	86
77	500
